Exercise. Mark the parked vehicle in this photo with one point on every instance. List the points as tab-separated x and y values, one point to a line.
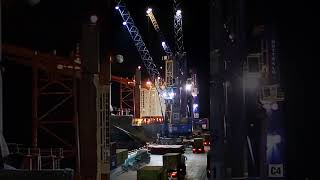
198	146
175	164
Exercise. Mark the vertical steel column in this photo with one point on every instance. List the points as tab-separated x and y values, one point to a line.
35	96
107	121
137	92
121	98
88	101
1	87
217	160
126	96
1	83
239	121
76	123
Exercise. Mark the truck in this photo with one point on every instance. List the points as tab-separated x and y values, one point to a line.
198	146
175	165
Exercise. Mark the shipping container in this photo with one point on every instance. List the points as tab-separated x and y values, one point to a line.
152	173
122	155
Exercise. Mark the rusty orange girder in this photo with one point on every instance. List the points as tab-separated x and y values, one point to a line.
50	62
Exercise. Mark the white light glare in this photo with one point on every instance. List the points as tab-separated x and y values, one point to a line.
148	83
139	67
178	13
163	43
117	7
194	94
195	106
164	94
149	10
188	87
171	95
124	23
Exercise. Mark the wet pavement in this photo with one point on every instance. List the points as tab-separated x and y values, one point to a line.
196	167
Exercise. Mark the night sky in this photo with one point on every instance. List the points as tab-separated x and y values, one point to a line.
57	25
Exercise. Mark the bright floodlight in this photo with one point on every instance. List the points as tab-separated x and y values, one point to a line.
163	43
188	87
149	10
148	83
171	94
195	106
164	94
124	23
160	67
139	67
178	13
117	7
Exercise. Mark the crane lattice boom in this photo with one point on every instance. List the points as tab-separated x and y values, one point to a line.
139	43
179	47
156	26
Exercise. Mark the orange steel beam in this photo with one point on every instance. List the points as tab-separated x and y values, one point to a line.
49	62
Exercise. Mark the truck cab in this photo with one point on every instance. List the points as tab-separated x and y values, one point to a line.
175	165
198	146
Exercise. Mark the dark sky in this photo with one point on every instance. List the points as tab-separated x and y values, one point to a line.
56	25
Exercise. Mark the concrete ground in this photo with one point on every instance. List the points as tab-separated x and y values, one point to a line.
196	167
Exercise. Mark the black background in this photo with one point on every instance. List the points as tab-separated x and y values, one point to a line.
56	25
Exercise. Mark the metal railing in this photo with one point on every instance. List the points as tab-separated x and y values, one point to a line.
38	158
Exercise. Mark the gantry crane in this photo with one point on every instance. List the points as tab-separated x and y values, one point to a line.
176	64
169	67
176	69
180	73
